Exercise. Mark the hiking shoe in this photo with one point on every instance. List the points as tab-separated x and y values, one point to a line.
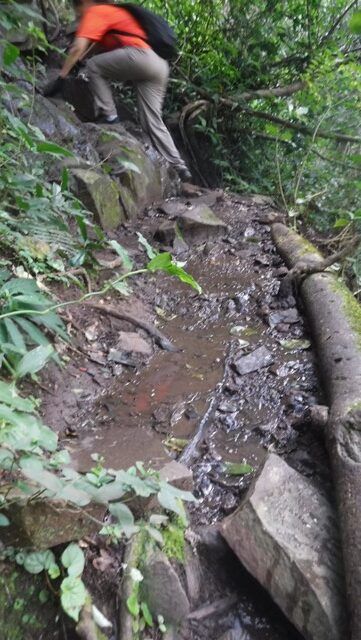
184	174
107	119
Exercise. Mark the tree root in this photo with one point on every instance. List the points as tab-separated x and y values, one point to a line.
160	339
313	263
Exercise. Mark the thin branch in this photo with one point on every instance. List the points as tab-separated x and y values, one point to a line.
337	22
340	137
277	92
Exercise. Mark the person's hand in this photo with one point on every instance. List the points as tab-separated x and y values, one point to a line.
53	87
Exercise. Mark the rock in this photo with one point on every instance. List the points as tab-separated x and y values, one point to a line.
122	357
211	540
178	475
173	208
162	589
77	92
141	178
199	223
193	574
288	316
100	194
42	524
258	359
286	535
319	415
227	407
134	343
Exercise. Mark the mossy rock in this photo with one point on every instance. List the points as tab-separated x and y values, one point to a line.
22	616
139	176
41	524
100	194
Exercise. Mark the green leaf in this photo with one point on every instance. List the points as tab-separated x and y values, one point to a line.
133	604
33	361
9	395
14	335
54	571
43	596
73	596
33	469
156	534
237	469
4	521
6	459
65	179
123	254
341	222
10	54
355	23
55	149
164	262
73	560
146	614
122	513
151	253
122	287
130	166
38	561
160	262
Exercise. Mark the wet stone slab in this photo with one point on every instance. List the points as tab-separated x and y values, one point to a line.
286	535
254	361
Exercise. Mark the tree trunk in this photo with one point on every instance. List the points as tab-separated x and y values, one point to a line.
335	320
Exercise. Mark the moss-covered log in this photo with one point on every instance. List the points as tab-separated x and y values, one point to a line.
335	321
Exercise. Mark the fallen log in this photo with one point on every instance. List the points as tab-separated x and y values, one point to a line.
335	322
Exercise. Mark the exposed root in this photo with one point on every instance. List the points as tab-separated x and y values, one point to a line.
307	266
160	339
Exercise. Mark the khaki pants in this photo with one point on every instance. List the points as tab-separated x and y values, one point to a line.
149	73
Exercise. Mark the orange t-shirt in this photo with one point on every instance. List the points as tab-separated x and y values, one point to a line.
99	19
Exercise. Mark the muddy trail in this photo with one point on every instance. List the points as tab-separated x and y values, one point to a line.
241	384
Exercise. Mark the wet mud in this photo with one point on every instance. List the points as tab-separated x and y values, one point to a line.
206	405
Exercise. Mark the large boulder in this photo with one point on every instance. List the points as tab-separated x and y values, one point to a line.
100	194
286	535
139	177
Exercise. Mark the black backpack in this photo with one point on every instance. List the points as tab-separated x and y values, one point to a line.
160	36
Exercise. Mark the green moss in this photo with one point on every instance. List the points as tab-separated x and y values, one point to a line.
307	248
174	542
350	307
22	617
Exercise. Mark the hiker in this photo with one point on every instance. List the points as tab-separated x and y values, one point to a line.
127	57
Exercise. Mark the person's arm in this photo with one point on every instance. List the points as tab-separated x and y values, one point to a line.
76	53
78	50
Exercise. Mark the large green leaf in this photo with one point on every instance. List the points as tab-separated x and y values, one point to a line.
10	54
54	149
73	596
14	335
164	262
9	395
123	514
33	361
355	23
123	254
73	560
